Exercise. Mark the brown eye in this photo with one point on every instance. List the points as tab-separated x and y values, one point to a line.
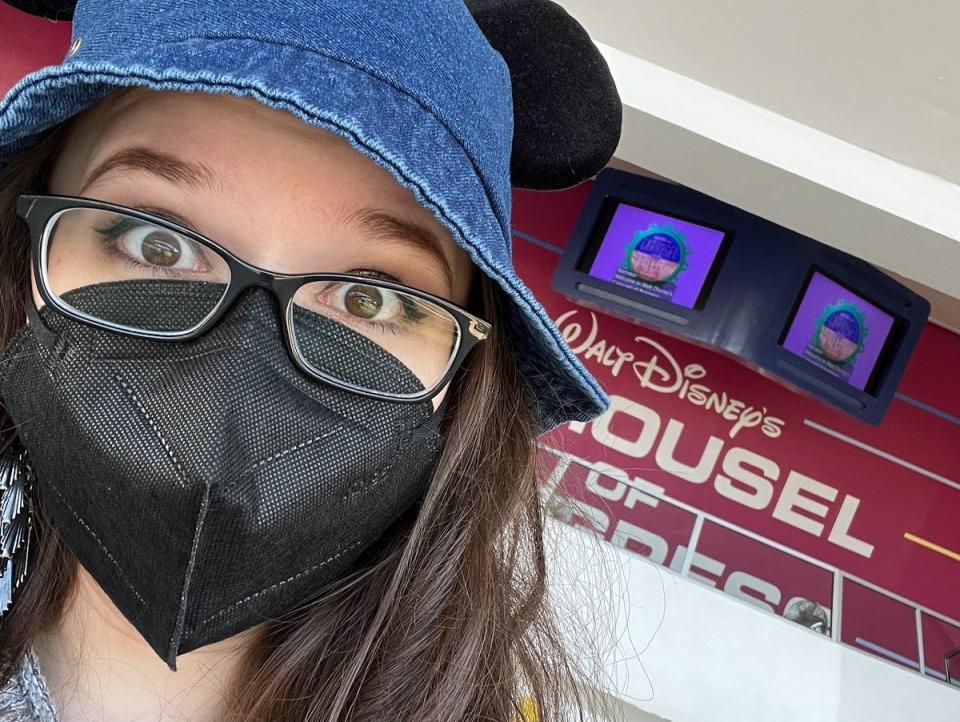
363	301
160	250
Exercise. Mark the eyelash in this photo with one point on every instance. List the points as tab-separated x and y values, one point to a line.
109	235
411	315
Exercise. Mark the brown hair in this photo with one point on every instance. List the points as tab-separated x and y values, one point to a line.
447	619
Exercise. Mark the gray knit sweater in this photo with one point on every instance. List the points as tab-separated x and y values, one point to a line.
25	697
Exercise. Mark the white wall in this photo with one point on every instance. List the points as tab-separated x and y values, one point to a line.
687	653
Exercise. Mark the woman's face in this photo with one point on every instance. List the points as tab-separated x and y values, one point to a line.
280	194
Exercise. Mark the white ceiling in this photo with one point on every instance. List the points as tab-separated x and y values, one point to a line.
882	74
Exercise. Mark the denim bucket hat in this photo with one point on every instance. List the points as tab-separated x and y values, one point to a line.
413	84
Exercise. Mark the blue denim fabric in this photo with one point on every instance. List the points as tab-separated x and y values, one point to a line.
413	84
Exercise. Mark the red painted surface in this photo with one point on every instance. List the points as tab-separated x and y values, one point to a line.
767	577
825	497
28	43
629	520
939	640
872	621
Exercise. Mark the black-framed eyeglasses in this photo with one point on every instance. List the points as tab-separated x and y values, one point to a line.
139	274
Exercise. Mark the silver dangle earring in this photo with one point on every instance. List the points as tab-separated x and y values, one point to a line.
16	523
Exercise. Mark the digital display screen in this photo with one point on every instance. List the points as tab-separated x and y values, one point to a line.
838	331
657	255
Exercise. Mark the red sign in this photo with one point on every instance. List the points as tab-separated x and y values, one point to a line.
880	625
759	574
941	641
881	503
620	513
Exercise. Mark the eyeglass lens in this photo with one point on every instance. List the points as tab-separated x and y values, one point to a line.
136	276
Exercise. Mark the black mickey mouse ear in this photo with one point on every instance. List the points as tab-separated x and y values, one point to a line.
567	112
53	9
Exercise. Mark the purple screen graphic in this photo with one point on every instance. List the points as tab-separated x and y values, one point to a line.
657	255
838	331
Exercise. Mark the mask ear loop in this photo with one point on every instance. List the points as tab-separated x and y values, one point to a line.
40	329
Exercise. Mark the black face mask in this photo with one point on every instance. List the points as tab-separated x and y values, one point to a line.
209	485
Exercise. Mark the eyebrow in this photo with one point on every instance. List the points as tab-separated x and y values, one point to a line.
160	164
380	225
376	224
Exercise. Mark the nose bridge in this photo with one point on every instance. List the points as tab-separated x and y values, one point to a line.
262	288
281	286
251	287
